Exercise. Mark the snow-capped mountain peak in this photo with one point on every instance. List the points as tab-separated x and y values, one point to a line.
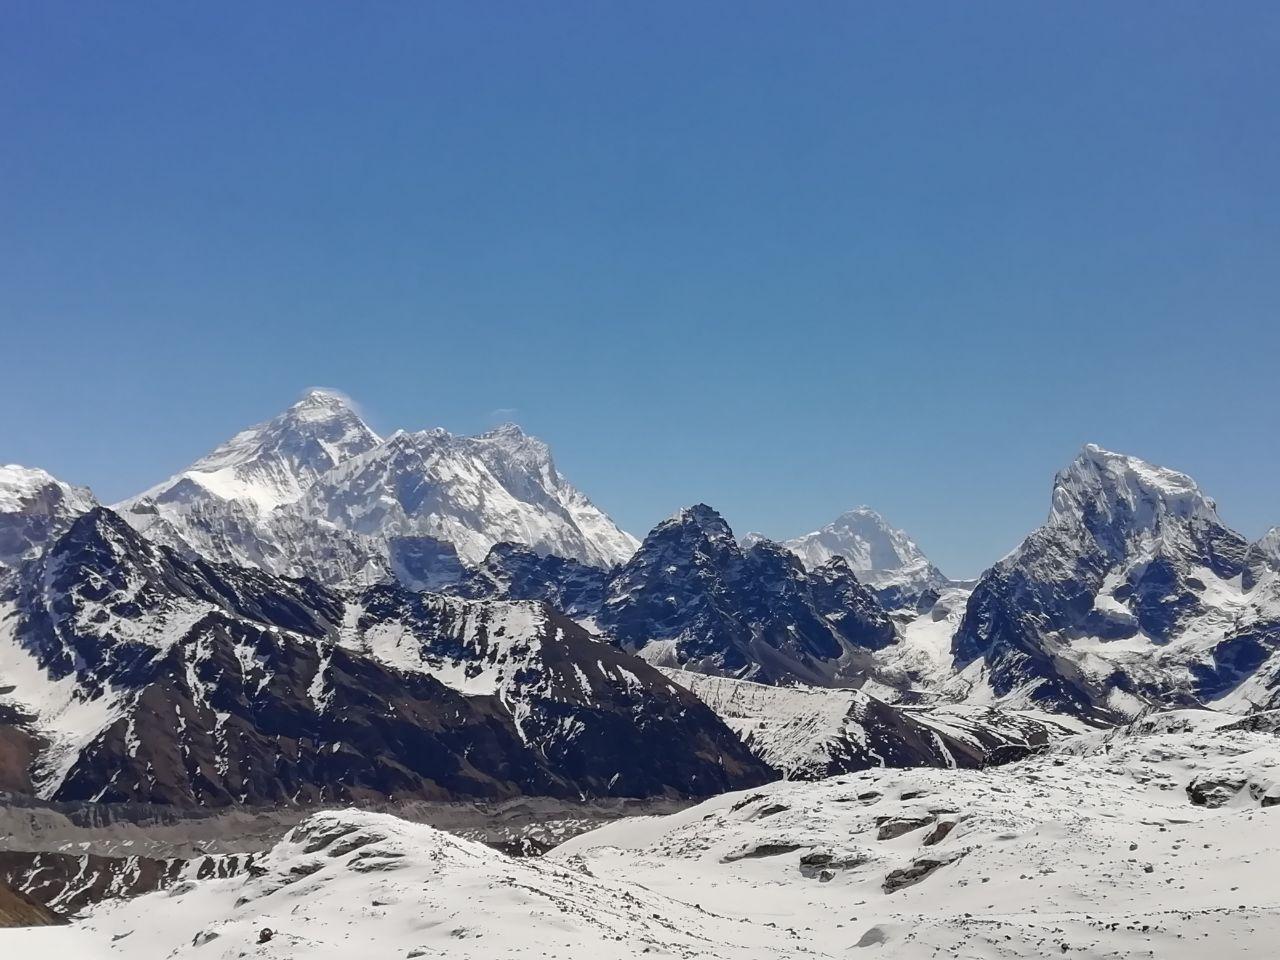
276	461
1132	568
315	492
1263	556
1114	494
473	492
35	508
879	554
861	536
31	489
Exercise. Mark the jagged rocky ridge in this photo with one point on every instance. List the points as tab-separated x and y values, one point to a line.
315	492
692	596
1133	593
148	676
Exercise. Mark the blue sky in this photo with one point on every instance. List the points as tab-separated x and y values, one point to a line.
784	259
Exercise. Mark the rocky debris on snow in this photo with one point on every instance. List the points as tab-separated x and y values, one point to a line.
18	910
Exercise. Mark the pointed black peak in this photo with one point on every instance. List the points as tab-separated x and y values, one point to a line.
102	528
703	517
100	552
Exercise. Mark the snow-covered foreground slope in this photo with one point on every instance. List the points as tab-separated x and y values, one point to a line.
1094	850
349	884
1156	840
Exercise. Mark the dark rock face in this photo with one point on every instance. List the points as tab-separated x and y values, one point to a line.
1001	625
376	733
751	613
425	563
598	715
514	572
68	883
916	871
720	608
842	600
19	747
224	685
1233	660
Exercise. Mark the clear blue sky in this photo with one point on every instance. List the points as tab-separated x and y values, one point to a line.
783	258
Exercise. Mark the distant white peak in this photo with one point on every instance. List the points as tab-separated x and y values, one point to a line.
863	538
749	540
32	490
274	462
508	430
1267	546
321	404
1119	488
517	448
471	492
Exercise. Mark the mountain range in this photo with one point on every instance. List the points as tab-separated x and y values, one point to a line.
137	674
314	612
315	492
